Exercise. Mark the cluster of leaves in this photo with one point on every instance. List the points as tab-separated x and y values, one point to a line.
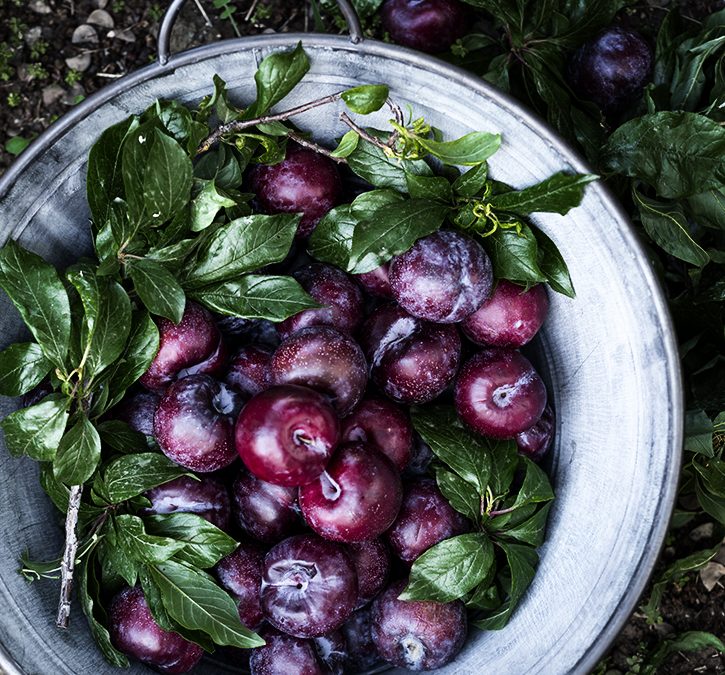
505	496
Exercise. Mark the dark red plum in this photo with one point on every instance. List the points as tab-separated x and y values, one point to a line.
420	458
249	370
340	298
535	442
135	633
357	496
611	69
325	360
331	650
309	586
304	182
372	563
287	434
362	653
259	332
265	511
191	342
425	518
377	282
444	277
214	365
417	635
284	655
240	573
499	394
205	497
194	423
509	318
428	25
384	425
138	411
411	360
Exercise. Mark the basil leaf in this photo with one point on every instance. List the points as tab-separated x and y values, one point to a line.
157	288
708	208
132	475
116	556
204	544
368	203
450	569
104	179
331	239
347	144
553	265
536	487
121	437
206	205
514	256
366	99
522	561
192	599
393	230
142	546
37	292
36	431
666	224
436	188
505	462
79	453
698	433
134	160
472	182
559	193
453	445
372	164
461	494
678	153
531	531
469	150
277	76
22	367
244	245
220	166
688	85
274	298
89	594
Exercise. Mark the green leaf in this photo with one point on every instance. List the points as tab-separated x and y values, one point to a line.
192	599
37	292
469	150
121	437
37	430
436	188
244	245
144	547
678	153
522	561
204	544
689	82
221	166
666	224
698	433
22	367
461	494
134	160
331	239
373	165
532	530
104	179
393	230
274	298
16	145
712	472
450	569
557	194
277	76
347	144
366	98
709	503
365	205
79	453
708	208
132	475
89	594
472	182
553	265
690	641
206	205
116	556
536	487
515	256
453	445
157	288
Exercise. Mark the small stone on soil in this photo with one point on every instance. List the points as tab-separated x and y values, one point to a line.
100	17
84	34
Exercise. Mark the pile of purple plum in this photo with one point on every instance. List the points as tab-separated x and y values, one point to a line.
331	501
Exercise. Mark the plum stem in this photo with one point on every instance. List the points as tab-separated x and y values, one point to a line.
67	564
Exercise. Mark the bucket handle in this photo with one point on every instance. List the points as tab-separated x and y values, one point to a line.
172	13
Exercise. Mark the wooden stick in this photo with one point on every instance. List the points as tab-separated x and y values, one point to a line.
67	565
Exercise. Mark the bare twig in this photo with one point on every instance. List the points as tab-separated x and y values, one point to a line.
493	514
202	11
69	556
363	133
307	143
251	10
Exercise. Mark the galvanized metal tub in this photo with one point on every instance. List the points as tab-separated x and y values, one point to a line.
609	356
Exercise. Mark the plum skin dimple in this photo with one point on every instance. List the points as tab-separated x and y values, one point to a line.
309	586
443	277
417	635
428	25
134	632
499	394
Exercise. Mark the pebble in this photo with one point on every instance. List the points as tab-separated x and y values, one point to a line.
39	7
711	574
84	34
79	63
52	93
703	531
125	35
33	35
101	4
100	17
